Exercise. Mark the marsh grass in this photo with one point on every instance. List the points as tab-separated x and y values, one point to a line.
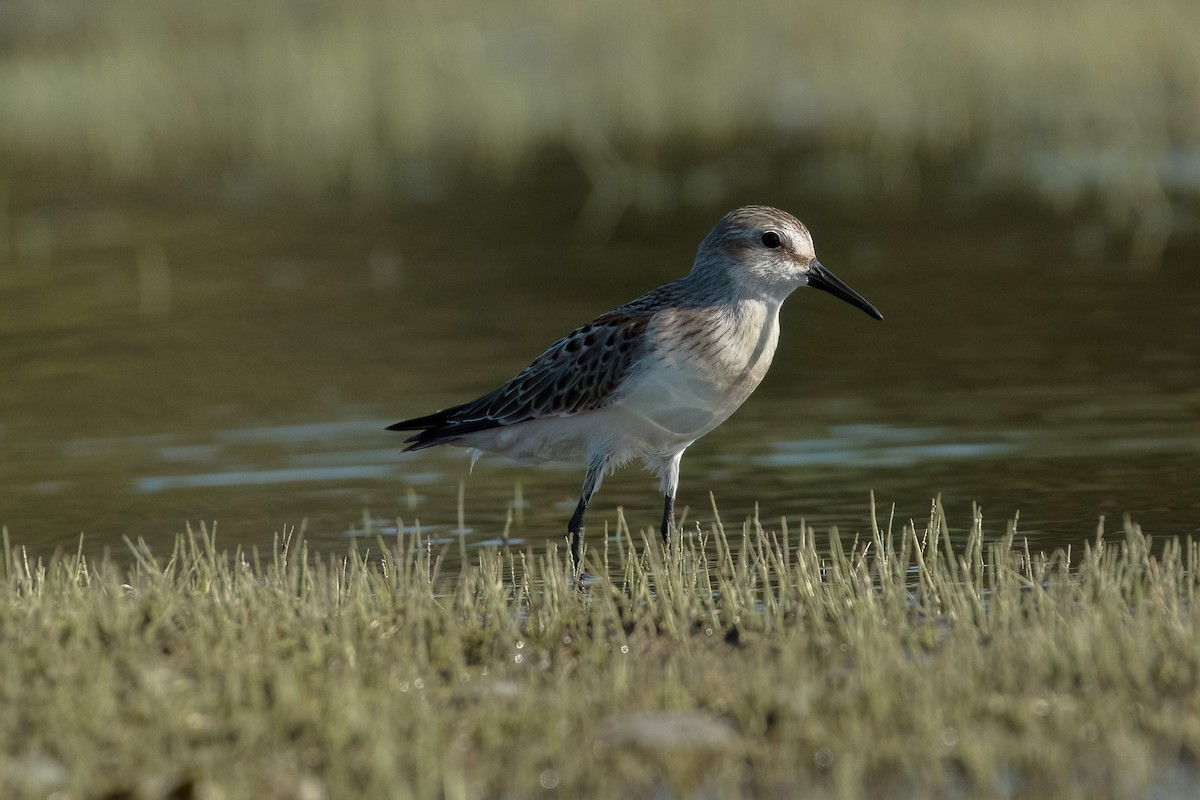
757	661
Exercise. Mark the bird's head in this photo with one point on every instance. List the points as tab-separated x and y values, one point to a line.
762	250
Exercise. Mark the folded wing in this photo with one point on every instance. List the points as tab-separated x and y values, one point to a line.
583	371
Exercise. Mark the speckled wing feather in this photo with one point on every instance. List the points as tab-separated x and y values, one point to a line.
582	371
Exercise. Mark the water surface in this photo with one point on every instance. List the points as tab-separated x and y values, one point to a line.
165	365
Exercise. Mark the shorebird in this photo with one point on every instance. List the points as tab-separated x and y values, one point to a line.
647	379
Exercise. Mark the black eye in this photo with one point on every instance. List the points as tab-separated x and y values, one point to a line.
771	239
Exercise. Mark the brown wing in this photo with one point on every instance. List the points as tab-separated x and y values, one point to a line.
580	372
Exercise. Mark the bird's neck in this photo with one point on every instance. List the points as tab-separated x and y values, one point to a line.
711	286
757	314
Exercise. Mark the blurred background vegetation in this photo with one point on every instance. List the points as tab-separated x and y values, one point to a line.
1078	102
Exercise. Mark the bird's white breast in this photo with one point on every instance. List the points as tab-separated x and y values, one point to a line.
702	366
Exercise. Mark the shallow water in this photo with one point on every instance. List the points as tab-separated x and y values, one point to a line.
165	365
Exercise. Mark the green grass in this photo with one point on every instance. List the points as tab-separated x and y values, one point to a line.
750	662
1073	98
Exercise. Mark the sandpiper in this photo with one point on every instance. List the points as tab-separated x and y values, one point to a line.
645	380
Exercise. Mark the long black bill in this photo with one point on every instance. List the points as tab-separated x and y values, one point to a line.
826	281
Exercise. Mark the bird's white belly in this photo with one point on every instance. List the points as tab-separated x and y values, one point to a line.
677	404
622	431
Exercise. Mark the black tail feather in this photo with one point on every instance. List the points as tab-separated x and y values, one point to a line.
440	428
435	420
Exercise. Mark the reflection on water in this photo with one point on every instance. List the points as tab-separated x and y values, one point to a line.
252	384
878	445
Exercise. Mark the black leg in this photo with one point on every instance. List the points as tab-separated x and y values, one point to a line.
668	516
669	472
575	530
591	482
